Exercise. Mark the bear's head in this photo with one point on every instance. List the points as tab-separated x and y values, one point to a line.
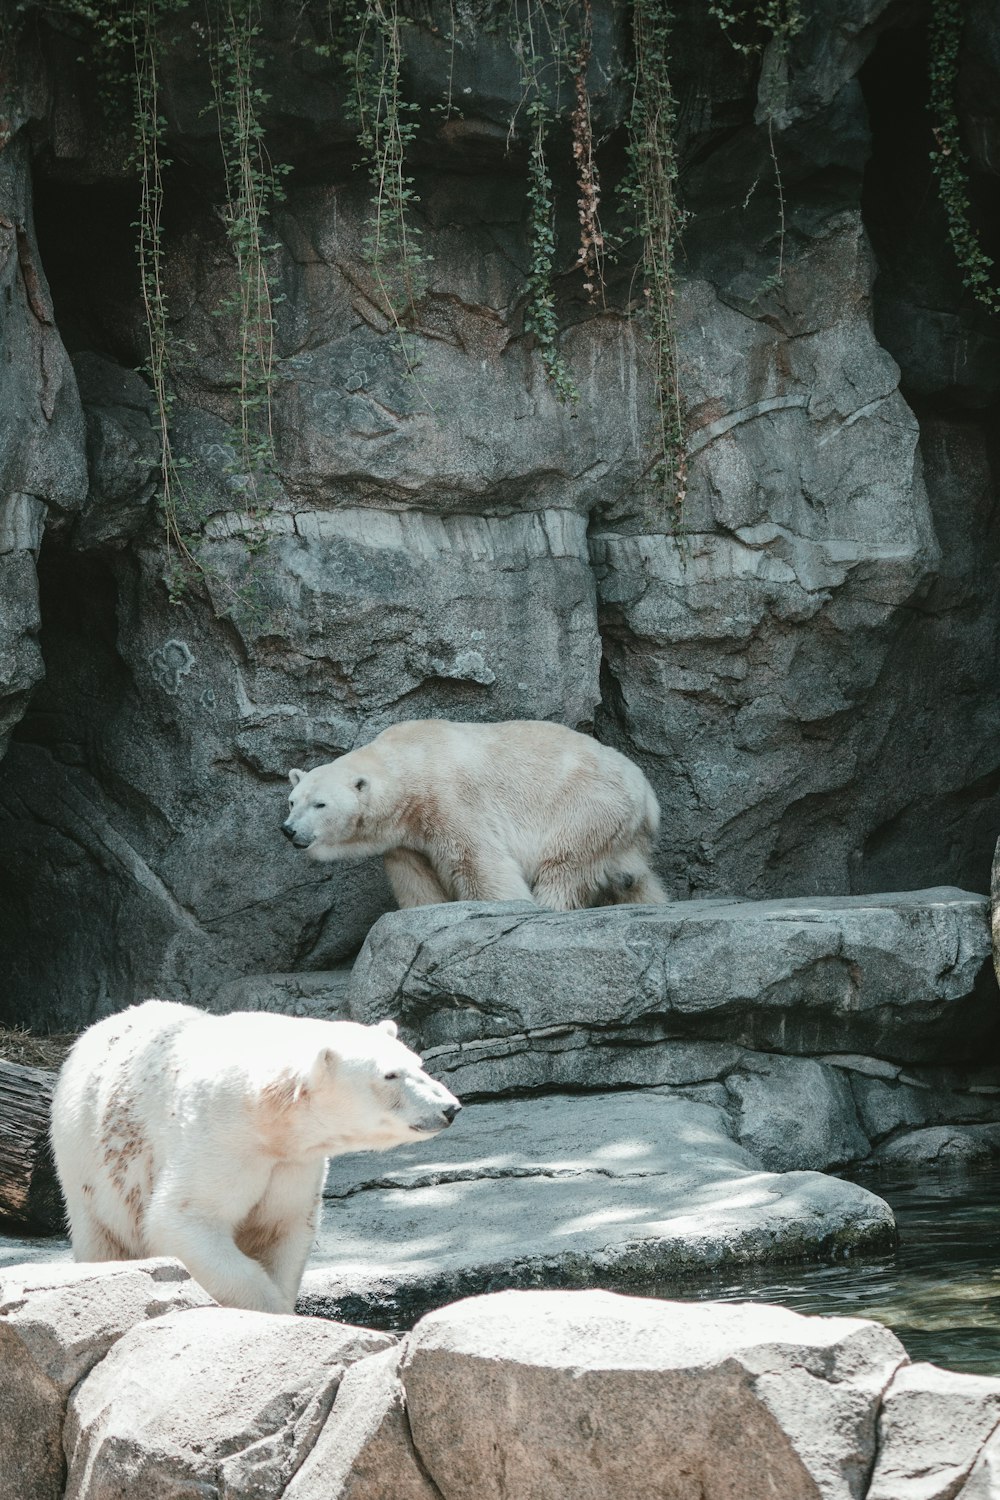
366	1091
326	808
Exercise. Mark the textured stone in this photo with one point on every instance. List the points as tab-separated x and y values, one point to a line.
906	975
931	1427
726	645
627	1187
123	452
42	462
887	1107
793	1113
322	995
590	1394
218	1401
984	1481
950	1145
364	1450
56	1324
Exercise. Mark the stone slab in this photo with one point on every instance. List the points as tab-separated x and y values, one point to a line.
56	1324
585	1394
619	1189
905	976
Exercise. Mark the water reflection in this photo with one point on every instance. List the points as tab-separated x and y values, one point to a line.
940	1293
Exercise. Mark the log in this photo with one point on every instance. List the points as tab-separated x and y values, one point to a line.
29	1191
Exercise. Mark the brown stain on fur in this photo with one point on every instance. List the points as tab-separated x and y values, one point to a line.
257	1237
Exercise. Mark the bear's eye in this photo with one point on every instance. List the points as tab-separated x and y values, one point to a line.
390	1077
319	804
360	784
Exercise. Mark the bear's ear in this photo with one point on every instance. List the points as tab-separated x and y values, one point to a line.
295	777
325	1067
388	1026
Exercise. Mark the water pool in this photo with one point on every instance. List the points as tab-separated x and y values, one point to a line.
940	1291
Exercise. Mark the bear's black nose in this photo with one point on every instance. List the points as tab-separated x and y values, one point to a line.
288	830
450	1111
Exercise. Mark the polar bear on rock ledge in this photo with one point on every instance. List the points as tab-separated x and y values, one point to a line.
518	811
206	1137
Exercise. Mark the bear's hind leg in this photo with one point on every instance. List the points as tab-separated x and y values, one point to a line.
93	1241
560	886
412	879
629	881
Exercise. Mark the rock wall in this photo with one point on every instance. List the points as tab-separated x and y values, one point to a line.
805	667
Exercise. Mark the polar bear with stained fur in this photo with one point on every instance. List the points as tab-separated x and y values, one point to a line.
206	1137
519	811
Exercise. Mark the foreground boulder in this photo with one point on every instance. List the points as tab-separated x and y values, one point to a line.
56	1323
932	1428
542	1394
905	976
216	1402
365	1451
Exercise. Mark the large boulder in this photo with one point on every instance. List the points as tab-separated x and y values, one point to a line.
907	976
218	1401
932	1426
536	1394
56	1324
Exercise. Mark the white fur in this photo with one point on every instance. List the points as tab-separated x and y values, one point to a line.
525	810
206	1137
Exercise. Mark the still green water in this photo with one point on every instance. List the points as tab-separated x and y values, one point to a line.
940	1291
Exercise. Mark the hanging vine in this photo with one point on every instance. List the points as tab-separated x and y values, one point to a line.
148	128
949	161
590	254
750	25
745	22
650	186
540	37
252	188
388	127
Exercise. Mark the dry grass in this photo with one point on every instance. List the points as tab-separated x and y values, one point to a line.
34	1051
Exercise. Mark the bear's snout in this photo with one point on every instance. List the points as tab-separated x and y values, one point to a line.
299	840
451	1110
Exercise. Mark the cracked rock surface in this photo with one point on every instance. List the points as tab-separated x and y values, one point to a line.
907	976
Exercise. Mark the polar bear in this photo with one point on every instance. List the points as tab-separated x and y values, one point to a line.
519	811
206	1137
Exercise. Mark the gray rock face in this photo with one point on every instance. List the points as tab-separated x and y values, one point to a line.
905	975
56	1324
217	1401
626	1188
751	1400
42	465
941	1145
364	1450
932	1427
